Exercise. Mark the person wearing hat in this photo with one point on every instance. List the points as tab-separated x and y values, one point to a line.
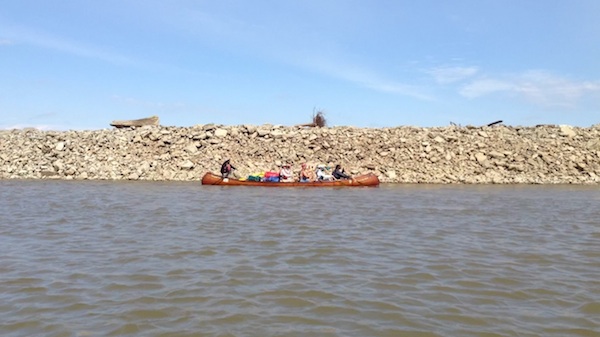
285	174
227	169
322	175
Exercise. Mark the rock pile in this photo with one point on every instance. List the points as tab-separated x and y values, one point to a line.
498	154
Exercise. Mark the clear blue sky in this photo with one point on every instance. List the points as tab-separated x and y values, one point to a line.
372	63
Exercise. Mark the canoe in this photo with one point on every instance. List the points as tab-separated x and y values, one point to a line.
368	179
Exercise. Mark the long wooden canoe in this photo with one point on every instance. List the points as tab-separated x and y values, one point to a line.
368	179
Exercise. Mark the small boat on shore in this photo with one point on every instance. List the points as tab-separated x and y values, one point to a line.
368	179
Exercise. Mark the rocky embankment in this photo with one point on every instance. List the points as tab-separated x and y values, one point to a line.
498	154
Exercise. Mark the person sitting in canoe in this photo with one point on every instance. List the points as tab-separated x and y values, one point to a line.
285	174
306	175
339	173
226	169
322	175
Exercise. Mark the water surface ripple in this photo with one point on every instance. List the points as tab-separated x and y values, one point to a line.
180	259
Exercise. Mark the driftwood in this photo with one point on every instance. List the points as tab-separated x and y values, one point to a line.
318	121
474	127
494	123
135	122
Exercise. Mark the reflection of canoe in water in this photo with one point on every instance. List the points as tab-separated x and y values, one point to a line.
363	180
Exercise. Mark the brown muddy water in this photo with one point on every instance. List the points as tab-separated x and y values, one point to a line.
181	259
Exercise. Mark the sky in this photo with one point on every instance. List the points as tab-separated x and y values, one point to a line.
78	65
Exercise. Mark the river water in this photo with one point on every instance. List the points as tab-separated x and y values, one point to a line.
181	259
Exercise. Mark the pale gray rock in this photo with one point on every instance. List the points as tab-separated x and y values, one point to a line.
187	165
262	132
480	157
221	133
278	133
58	165
496	154
191	148
567	131
250	128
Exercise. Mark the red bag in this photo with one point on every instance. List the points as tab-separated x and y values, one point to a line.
270	174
